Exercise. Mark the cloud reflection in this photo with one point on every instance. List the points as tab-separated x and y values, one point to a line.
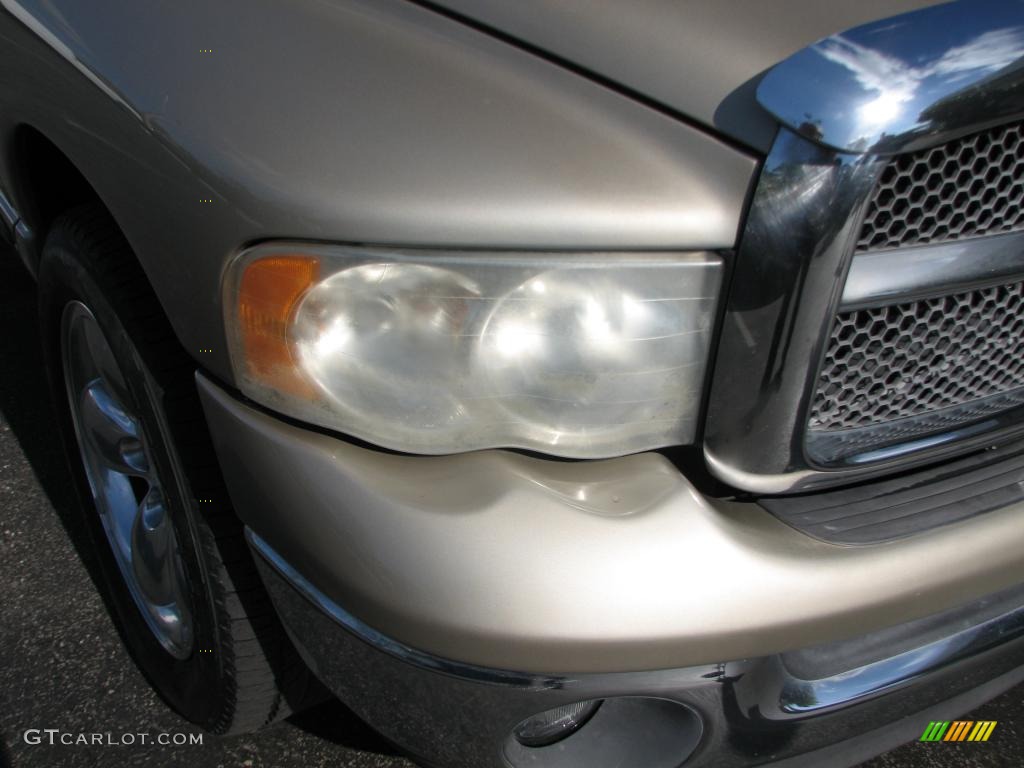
883	85
894	82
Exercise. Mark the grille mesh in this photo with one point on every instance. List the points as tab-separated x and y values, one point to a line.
970	187
907	359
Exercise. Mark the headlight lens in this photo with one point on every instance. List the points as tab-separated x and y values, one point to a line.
577	355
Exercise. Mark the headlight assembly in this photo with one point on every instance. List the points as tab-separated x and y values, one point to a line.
576	355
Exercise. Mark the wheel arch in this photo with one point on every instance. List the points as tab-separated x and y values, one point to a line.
45	182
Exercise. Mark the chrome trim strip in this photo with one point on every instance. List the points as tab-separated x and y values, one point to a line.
904	448
16	232
8	216
989	419
382	642
758	482
814	696
913	452
906	82
887	277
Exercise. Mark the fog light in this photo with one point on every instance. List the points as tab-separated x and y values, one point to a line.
555	724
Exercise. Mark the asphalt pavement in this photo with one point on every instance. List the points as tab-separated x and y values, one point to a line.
62	665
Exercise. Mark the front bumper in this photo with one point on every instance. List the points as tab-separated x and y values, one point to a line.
582	577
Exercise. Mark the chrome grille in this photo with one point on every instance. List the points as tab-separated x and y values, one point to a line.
918	357
970	187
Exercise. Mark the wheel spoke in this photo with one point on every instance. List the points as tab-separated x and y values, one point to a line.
152	550
124	483
111	432
102	361
157	568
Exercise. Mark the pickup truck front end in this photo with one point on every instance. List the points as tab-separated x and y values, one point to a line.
590	388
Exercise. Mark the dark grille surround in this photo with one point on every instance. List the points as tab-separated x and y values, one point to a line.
970	187
895	374
919	357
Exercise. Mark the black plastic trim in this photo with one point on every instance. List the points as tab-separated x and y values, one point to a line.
910	504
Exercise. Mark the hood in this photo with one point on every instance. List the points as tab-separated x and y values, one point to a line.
701	58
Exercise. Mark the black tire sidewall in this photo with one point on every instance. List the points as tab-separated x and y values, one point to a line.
196	686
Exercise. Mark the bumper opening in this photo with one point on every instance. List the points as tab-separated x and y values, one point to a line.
627	730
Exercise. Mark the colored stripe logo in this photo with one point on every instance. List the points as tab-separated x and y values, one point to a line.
959	730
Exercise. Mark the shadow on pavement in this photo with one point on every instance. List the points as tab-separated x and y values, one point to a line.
23	392
5	758
336	723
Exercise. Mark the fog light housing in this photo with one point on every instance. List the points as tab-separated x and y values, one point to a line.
556	724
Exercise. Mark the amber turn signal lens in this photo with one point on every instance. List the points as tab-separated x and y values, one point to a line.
269	292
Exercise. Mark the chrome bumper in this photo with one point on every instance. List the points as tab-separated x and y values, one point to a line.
827	705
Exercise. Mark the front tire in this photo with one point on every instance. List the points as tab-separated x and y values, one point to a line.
177	574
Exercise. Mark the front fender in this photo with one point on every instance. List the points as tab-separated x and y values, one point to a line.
208	126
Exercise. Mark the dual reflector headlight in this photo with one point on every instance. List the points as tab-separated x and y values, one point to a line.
574	355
